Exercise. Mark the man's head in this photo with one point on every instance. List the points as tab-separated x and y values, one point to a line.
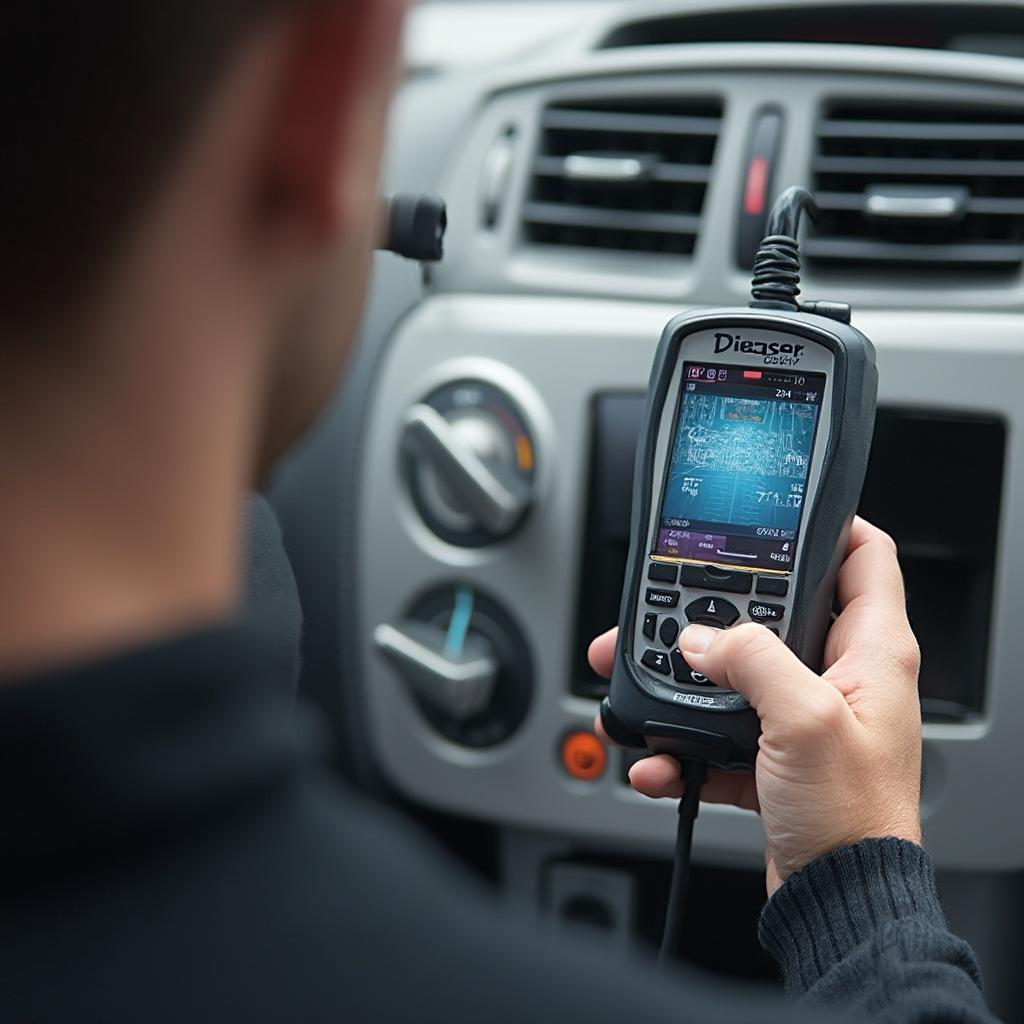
148	142
188	207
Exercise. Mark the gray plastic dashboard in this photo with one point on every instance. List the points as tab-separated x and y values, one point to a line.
554	355
553	332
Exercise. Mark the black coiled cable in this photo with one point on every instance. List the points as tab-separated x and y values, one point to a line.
776	281
777	270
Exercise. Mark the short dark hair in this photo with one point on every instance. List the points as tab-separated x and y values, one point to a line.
94	99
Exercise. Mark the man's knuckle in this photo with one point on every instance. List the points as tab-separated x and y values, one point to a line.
831	710
887	541
907	654
876	535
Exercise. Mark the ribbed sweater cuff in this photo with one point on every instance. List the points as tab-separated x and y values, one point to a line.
842	900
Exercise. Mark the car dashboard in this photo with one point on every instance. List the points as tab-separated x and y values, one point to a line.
598	185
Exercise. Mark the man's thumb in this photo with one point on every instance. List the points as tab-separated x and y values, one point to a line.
751	660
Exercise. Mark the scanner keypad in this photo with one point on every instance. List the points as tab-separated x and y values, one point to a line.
689	585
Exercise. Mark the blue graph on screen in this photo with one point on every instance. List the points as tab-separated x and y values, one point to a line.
740	461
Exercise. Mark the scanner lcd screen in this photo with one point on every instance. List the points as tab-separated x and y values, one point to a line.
737	474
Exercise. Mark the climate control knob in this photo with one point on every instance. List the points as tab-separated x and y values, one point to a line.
458	683
464	662
470	463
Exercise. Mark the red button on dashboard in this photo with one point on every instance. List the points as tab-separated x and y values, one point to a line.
584	756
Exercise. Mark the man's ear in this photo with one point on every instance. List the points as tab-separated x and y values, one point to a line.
327	133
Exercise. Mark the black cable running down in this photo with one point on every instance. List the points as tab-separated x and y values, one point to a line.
776	281
694	774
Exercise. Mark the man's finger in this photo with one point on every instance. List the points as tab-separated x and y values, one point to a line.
870	577
600	731
874	617
755	662
658	777
601	654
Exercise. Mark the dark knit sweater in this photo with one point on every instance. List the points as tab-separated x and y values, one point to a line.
862	928
173	851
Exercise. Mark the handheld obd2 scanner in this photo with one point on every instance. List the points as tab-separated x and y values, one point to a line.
749	469
750	464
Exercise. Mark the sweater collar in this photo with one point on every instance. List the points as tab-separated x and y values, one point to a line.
127	750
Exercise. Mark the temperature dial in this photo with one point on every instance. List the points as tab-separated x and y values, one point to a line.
470	461
465	664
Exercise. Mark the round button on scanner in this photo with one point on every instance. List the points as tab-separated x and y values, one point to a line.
669	632
584	756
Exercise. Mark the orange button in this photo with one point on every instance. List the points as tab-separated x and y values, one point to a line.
584	756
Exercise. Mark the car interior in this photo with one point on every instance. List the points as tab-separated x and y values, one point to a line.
607	166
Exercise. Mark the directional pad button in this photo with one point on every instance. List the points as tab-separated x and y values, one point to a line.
712	611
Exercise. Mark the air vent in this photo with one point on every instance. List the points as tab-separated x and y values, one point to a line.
920	186
623	175
971	27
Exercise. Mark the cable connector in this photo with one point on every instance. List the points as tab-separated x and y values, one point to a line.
840	311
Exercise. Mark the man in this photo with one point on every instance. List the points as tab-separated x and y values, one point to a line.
188	213
272	592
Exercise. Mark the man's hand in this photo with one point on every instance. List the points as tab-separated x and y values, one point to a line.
840	753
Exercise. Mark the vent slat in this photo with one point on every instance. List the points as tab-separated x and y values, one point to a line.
624	220
939	132
882	173
623	174
882	166
611	121
854	201
554	167
895	252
